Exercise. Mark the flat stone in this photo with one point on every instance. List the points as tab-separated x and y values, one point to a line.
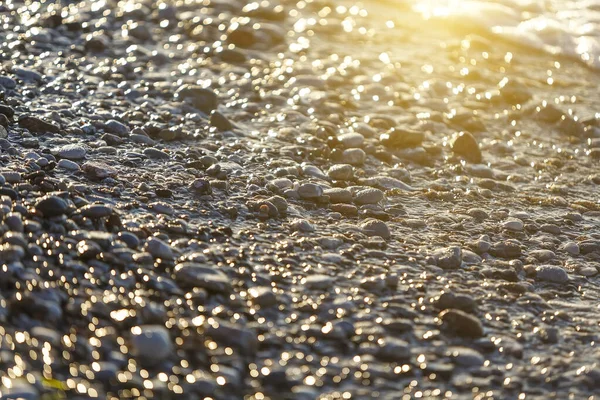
191	274
368	196
159	249
37	125
96	211
338	195
402	138
341	172
350	140
68	165
465	357
98	171
310	191
513	225
318	281
71	152
552	273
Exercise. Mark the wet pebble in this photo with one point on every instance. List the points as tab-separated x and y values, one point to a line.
461	324
151	343
551	273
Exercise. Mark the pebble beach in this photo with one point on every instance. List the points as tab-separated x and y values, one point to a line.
294	200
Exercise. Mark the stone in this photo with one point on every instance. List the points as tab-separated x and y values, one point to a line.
402	138
97	171
318	281
310	191
338	195
368	196
302	225
448	257
394	350
96	211
460	323
155	154
513	225
262	296
151	343
465	357
201	98
570	247
351	140
51	206
159	249
341	172
71	152
375	227
116	127
37	125
192	274
465	145
457	301
354	156
220	121
68	165
551	273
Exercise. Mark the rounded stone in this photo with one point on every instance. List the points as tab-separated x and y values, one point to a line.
552	273
151	343
368	196
71	152
51	206
375	227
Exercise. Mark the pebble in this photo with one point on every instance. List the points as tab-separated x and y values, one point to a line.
448	257
302	225
460	323
151	343
368	196
570	247
220	121
354	156
71	152
155	154
310	191
552	273
68	165
318	281
203	99
465	145
190	274
262	296
98	170
341	172
351	140
338	195
402	138
116	127
375	227
513	225
465	356
51	206
96	211
159	249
